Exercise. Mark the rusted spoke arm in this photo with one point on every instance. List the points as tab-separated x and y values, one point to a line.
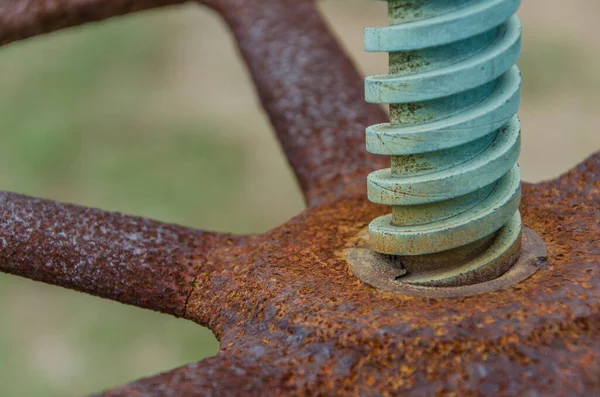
310	89
128	259
20	19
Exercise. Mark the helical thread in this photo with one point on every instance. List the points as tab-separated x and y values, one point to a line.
454	137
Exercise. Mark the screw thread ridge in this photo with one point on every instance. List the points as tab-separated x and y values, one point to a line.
454	133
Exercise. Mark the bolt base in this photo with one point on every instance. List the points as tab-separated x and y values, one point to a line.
481	261
523	258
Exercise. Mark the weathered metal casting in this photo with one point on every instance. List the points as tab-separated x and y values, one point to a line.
454	138
291	318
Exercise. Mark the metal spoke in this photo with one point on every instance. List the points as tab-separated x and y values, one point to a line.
131	260
311	91
309	87
20	19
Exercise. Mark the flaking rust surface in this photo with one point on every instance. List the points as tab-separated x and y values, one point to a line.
129	259
292	319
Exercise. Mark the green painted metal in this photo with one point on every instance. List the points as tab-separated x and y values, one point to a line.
453	136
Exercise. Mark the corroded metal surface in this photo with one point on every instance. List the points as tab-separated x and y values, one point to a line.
20	19
310	90
129	259
293	320
290	316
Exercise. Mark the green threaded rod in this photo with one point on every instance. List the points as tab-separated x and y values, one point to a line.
453	138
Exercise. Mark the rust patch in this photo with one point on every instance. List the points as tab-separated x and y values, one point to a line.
293	320
21	19
129	259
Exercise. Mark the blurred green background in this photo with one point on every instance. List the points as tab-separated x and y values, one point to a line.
154	115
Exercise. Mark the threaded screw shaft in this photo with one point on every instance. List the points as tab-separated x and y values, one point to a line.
453	136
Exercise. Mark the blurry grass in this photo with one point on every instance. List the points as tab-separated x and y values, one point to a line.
553	65
73	128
